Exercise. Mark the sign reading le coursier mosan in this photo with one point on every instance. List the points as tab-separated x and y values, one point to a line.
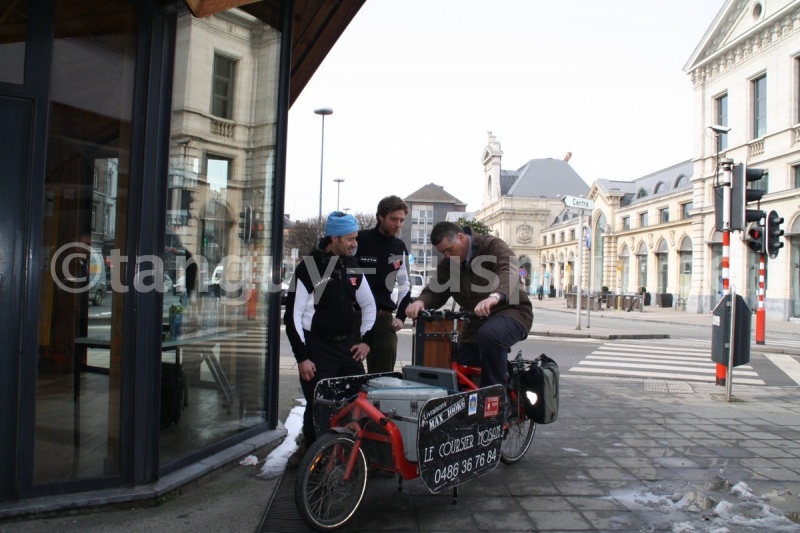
576	203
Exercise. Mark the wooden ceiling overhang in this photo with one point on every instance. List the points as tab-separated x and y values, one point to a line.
317	24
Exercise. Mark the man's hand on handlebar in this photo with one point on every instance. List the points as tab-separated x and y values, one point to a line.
414	308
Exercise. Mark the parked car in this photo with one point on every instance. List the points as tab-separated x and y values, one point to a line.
216	277
417	284
179	287
98	283
284	292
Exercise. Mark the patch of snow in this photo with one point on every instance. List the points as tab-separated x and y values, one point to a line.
744	512
573	450
743	491
275	462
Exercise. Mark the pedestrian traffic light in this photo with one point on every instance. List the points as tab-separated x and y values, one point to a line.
742	195
756	237
246	224
774	234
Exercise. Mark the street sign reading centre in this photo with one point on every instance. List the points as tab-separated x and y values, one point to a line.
575	203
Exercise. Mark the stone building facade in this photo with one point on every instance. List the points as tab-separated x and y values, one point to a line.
659	231
520	204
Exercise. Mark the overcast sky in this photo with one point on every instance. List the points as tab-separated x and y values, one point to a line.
415	85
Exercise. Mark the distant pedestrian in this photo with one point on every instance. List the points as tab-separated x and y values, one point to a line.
540	292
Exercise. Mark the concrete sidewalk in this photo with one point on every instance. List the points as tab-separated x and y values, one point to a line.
624	455
633	324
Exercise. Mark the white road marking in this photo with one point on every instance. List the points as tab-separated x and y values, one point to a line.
787	364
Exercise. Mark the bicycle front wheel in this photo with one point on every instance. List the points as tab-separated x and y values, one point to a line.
520	430
324	498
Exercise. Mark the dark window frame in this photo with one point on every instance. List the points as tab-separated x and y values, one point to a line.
721	115
222	86
760	106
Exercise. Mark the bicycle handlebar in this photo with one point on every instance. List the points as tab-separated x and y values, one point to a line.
444	314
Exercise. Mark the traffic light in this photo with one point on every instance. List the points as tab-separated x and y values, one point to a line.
258	230
757	237
774	234
187	198
246	224
742	195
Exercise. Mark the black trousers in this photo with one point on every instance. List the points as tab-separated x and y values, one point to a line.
333	359
495	336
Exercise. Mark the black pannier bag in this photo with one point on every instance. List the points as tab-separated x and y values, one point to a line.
542	378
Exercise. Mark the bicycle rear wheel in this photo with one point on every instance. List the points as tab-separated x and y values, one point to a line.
324	499
521	429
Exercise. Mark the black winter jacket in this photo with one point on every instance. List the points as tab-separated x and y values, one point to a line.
322	298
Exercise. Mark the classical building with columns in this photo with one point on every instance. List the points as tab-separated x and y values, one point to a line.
520	204
745	76
638	235
659	231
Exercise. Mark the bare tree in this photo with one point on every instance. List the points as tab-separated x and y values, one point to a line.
306	233
303	236
366	220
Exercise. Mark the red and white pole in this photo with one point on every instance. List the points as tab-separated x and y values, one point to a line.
727	168
722	370
761	318
250	310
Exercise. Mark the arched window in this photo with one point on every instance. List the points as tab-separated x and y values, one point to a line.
680	181
685	257
660	187
641	256
597	252
623	269
641	194
662	266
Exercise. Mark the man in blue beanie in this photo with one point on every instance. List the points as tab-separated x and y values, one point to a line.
320	315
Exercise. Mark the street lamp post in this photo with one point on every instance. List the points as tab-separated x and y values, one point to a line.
338	185
322	111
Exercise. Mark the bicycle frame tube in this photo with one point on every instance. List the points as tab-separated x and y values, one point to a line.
463	373
361	408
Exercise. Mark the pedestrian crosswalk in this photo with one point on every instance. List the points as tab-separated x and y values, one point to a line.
777	343
658	362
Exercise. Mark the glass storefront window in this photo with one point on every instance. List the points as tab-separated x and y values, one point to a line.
662	267
13	33
77	433
642	279
218	235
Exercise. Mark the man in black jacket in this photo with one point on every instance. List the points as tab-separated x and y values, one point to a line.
382	258
320	314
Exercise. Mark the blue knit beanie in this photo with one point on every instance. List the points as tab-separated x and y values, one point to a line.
339	224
